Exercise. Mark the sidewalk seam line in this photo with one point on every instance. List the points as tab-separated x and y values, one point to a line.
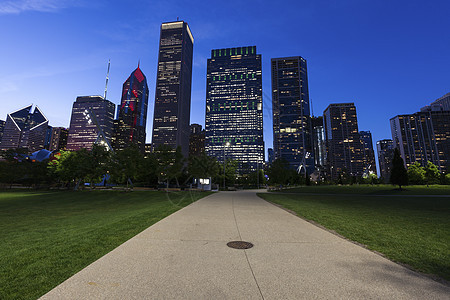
245	252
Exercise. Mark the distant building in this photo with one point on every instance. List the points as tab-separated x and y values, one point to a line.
58	139
173	87
441	104
148	149
91	115
344	149
423	136
318	140
2	127
291	114
385	149
129	128
271	155
25	128
369	153
234	120
196	140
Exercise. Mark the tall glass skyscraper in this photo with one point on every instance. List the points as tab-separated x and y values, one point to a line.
292	138
234	120
369	153
173	87
90	115
132	112
345	154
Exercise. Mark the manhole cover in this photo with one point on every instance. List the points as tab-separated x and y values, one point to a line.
239	245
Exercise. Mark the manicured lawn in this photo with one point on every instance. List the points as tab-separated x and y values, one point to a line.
48	236
364	189
410	230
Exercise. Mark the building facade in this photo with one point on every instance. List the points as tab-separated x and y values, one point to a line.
58	139
369	153
2	127
292	131
234	120
25	128
345	155
423	136
196	140
173	87
318	140
129	128
385	149
91	122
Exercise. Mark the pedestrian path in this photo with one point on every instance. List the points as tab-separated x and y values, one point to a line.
185	256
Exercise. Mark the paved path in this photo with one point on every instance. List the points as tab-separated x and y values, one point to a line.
185	256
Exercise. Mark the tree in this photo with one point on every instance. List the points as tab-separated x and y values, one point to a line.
170	163
416	174
126	165
432	174
399	176
203	166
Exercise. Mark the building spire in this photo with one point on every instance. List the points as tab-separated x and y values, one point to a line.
139	62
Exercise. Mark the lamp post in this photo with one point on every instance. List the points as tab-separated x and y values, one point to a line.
224	163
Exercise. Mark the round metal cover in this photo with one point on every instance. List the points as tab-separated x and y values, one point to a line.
239	245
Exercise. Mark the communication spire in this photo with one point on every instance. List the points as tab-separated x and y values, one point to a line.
107	77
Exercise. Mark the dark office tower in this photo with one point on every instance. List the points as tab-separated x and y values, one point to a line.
91	120
132	113
422	137
173	87
271	155
234	121
318	140
368	152
2	127
25	129
291	118
344	149
196	140
385	149
58	139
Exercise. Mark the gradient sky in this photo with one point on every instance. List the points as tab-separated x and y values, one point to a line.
388	57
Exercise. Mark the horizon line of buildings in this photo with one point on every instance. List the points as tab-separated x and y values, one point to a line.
325	146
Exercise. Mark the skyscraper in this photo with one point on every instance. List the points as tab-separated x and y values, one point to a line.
196	140
91	117
368	152
318	138
344	149
132	112
291	114
58	139
25	128
173	87
385	149
234	121
422	137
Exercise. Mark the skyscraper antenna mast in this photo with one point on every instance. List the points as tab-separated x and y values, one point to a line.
107	77
312	109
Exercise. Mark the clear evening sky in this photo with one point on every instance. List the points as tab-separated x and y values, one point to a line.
388	57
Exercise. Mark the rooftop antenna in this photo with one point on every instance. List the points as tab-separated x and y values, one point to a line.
178	18
107	77
312	109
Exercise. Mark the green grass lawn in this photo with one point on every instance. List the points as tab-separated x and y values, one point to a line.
410	230
48	236
366	189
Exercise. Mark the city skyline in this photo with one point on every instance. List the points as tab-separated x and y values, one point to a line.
376	65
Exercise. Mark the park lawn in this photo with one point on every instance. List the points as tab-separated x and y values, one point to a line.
367	189
48	236
410	230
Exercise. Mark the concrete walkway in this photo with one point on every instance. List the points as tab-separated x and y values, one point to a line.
185	256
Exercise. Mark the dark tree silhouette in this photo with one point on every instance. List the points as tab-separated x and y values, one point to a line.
399	176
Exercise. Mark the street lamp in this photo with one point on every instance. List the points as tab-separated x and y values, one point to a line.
224	162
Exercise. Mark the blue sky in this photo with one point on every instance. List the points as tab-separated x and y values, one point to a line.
388	57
